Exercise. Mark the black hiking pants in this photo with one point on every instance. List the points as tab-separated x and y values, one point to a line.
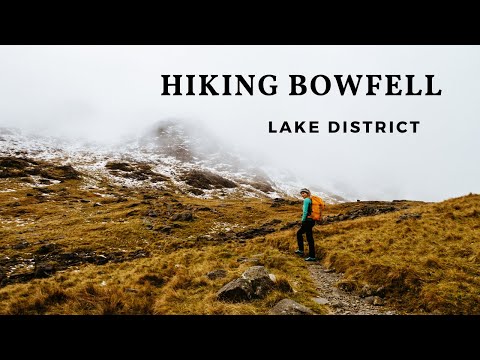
306	228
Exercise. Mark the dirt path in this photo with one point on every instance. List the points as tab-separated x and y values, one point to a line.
341	302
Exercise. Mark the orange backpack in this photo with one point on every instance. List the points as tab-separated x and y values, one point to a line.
317	208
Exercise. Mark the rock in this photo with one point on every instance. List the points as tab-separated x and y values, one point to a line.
166	229
119	166
184	216
367	290
206	180
152	213
380	291
237	290
97	204
378	301
44	270
260	280
230	235
273	222
62	173
338	304
196	191
273	278
47	248
221	236
21	245
217	274
374	300
262	186
251	233
321	301
132	213
279	202
290	307
346	285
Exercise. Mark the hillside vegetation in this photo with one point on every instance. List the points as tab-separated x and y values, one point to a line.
70	248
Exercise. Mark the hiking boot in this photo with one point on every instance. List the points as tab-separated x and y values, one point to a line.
299	252
310	259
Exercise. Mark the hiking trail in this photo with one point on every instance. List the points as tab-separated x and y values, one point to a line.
341	302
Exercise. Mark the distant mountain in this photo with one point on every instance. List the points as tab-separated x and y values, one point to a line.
170	154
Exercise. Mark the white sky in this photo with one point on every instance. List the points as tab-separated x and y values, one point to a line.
106	91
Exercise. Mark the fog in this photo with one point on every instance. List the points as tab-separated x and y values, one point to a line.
106	92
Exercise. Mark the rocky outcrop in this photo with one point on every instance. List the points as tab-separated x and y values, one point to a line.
184	216
23	167
374	300
290	225
48	259
255	283
260	280
237	290
217	274
277	202
290	307
136	171
207	180
369	290
262	186
367	210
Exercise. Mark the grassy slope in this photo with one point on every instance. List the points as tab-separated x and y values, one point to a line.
428	264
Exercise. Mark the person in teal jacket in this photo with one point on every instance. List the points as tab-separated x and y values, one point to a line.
306	228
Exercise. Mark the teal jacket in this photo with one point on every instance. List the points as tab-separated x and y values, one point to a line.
307	208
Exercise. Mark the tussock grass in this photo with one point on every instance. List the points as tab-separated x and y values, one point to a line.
426	265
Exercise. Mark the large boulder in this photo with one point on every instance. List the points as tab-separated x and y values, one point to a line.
184	216
217	274
255	283
260	280
290	307
237	290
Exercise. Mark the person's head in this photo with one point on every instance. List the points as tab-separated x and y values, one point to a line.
305	193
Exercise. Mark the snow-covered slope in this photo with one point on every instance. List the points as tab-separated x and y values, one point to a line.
171	153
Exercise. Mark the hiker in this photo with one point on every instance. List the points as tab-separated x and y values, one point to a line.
306	228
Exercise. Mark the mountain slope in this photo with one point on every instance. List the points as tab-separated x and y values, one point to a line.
170	155
136	229
70	249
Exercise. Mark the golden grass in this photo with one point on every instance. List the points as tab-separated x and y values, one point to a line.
426	265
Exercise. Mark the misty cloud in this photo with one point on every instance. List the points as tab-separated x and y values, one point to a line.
105	93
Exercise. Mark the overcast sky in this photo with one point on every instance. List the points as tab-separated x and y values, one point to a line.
107	91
